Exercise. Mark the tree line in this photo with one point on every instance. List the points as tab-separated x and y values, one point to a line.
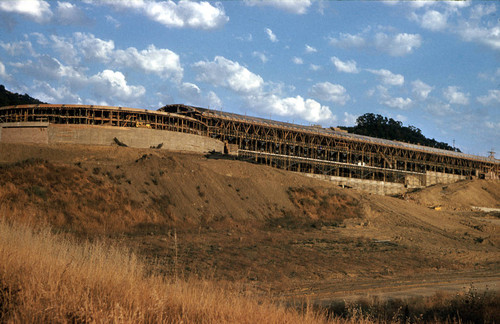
8	98
387	128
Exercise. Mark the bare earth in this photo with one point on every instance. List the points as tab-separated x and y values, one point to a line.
263	229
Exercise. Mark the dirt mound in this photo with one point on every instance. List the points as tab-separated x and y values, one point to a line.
268	228
462	195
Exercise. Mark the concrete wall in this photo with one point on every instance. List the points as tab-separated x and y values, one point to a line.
104	135
29	132
432	178
372	186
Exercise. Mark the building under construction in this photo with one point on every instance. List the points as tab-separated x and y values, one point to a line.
313	150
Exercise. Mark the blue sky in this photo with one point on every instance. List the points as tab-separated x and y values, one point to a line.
431	64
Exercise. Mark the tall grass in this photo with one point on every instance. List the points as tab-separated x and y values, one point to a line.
45	278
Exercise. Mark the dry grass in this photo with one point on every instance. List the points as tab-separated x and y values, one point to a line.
45	278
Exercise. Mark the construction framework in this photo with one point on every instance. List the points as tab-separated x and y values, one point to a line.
335	152
293	147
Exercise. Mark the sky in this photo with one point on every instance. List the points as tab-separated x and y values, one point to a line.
434	65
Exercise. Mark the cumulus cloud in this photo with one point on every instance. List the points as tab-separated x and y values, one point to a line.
292	6
38	10
46	93
432	20
18	48
421	89
261	56
397	45
183	14
493	97
229	74
400	103
213	100
349	119
346	40
3	72
272	37
314	67
112	84
387	77
454	96
250	86
310	49
330	92
94	48
162	62
65	48
347	67
189	91
482	35
297	60
69	14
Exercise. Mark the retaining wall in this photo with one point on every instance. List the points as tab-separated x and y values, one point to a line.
432	178
372	186
44	133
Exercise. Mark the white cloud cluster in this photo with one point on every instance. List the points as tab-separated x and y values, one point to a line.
162	62
493	97
310	49
454	96
297	60
399	44
347	67
261	56
395	45
293	6
38	10
94	48
272	37
421	89
109	83
330	92
226	73
182	14
346	40
3	72
389	78
231	75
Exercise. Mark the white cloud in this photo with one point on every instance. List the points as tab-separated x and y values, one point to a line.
297	60
493	97
229	74
183	14
346	40
455	97
261	56
478	11
310	49
400	103
347	67
46	93
69	14
94	48
113	21
111	84
492	125
18	48
439	109
3	72
330	92
387	77
189	91
38	10
433	20
271	35
421	89
214	101
66	49
483	35
314	67
293	6
397	45
349	119
162	62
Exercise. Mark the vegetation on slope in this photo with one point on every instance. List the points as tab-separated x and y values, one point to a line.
8	98
382	127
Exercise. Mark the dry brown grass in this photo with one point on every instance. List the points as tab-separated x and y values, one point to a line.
46	278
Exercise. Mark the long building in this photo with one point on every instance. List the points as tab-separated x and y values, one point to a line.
309	149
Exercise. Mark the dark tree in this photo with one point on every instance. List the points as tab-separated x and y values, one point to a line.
382	127
8	98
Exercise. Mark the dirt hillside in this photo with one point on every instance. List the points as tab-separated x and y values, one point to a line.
265	228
